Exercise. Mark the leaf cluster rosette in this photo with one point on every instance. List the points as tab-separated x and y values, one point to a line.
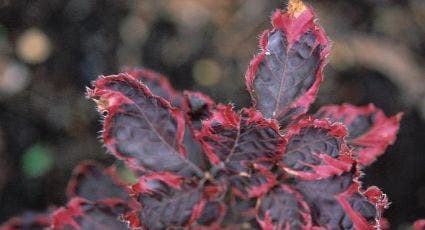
203	165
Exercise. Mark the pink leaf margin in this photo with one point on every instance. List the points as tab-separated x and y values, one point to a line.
332	166
111	102
380	135
228	118
294	27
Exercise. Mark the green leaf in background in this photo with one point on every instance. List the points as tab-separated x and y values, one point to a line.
36	161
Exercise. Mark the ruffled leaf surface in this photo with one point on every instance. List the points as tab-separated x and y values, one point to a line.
370	132
141	128
83	214
253	181
198	107
160	86
238	144
157	84
168	202
284	77
338	203
284	208
242	213
93	182
229	137
316	149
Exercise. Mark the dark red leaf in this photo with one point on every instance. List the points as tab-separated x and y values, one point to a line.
236	137
338	202
93	182
370	132
284	78
316	149
168	202
28	220
284	208
157	84
419	225
140	128
83	214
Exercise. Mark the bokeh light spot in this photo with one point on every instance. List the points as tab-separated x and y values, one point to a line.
14	77
36	161
206	72
33	46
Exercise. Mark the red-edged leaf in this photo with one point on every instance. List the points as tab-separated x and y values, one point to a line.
284	78
195	152
83	214
160	86
284	208
370	132
167	202
242	212
236	137
28	220
211	213
140	128
316	149
419	225
157	84
157	183
198	107
338	203
93	182
253	182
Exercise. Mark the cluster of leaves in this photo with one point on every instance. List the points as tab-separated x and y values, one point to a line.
203	165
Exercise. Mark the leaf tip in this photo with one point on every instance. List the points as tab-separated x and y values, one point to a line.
101	103
296	7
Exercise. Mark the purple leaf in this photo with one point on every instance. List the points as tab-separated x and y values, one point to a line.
93	182
158	85
28	220
284	78
140	128
82	214
370	132
167	201
284	208
338	202
316	149
241	212
211	213
253	182
236	137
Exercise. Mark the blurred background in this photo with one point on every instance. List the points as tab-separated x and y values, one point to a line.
50	50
